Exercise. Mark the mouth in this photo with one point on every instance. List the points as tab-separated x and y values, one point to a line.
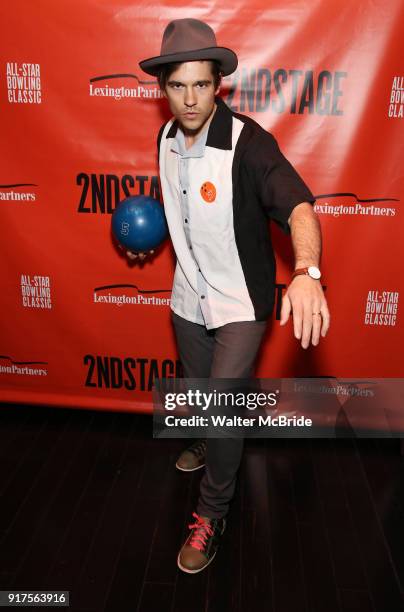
190	115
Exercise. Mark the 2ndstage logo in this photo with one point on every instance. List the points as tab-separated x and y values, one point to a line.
293	91
104	371
101	193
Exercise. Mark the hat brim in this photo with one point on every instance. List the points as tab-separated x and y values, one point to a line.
226	57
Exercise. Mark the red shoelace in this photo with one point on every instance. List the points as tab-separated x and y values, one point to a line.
202	530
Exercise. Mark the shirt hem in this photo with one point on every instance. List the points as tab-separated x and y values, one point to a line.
184	316
231	320
215	324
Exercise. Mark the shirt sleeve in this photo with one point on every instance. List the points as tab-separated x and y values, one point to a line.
278	185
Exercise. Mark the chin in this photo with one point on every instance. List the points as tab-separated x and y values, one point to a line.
193	125
190	126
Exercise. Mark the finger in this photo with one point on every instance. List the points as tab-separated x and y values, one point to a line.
285	310
307	324
325	313
315	332
297	313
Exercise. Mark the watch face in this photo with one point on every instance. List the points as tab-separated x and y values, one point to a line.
314	272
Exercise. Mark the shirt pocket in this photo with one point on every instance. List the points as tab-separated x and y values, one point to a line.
211	200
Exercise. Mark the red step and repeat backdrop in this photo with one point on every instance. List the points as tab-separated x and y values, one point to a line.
80	325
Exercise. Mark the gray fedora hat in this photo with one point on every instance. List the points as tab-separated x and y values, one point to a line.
186	40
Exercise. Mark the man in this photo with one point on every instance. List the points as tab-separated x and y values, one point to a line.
222	177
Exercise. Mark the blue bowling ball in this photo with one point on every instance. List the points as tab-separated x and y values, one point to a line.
139	224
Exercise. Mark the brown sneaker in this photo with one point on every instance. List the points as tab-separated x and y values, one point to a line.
193	457
201	545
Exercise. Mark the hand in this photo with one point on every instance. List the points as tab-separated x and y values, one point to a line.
133	256
141	256
305	299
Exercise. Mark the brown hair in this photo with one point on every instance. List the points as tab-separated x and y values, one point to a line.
167	70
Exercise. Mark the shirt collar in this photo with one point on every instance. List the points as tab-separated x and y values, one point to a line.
219	134
196	150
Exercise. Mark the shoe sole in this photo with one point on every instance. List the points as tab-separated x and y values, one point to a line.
189	469
189	571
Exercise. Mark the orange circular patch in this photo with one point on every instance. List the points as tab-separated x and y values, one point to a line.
208	192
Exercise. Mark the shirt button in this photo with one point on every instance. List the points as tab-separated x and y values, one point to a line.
186	220
184	191
202	297
190	246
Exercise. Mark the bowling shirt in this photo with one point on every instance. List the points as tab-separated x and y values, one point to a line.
218	198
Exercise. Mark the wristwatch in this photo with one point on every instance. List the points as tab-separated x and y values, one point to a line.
311	271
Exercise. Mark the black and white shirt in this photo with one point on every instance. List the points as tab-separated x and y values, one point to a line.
218	196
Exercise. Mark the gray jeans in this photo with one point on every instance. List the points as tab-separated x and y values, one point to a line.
225	352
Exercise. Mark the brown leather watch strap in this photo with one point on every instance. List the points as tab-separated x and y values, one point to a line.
300	271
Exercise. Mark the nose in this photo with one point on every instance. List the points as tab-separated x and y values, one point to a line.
190	97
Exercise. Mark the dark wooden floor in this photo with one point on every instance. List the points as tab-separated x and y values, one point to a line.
90	503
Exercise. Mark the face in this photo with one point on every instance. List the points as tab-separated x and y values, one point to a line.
190	92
